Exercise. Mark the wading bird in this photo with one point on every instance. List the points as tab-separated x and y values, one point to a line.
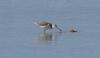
46	25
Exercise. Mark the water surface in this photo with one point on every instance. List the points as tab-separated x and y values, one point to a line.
19	38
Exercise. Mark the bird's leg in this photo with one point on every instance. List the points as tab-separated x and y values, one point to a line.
44	30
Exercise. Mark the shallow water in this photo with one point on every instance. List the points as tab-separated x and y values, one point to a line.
20	38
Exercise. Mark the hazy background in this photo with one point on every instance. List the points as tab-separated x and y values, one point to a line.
19	38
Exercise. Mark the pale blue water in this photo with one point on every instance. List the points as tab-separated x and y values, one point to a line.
19	38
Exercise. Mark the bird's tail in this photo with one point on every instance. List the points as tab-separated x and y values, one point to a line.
35	23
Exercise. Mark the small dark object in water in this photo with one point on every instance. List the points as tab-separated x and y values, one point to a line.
73	30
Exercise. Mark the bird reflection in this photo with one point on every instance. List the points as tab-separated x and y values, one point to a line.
46	37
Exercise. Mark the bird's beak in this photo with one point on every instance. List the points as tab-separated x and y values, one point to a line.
58	28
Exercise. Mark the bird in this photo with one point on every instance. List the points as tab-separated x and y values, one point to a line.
45	25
